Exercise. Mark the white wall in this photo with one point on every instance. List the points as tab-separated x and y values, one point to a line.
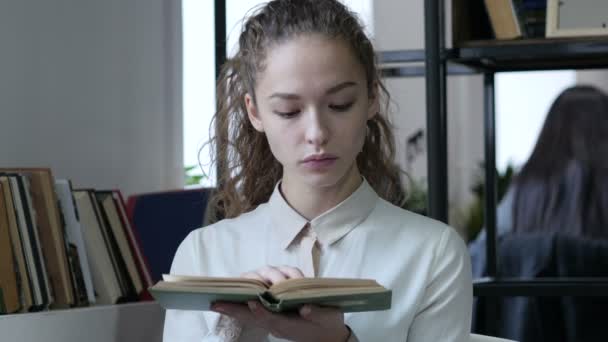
91	89
198	85
400	25
519	116
598	78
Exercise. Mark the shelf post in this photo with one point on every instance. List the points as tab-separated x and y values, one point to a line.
220	58
220	35
491	306
490	174
436	110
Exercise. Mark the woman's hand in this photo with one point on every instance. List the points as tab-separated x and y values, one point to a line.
311	323
272	275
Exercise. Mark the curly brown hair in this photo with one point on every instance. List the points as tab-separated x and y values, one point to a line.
248	171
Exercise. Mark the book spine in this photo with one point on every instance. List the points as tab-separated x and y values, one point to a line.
32	219
8	275
133	240
23	280
26	245
64	284
130	211
118	264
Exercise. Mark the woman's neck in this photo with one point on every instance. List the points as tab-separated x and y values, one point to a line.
310	201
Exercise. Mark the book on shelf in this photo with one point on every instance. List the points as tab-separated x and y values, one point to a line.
112	244
503	18
512	19
42	297
135	245
21	268
108	205
81	276
105	280
198	293
8	276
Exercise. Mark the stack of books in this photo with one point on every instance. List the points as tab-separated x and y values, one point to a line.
62	247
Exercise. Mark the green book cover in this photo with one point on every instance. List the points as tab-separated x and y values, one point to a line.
201	297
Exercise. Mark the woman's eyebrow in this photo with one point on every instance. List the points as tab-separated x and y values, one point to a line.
340	86
332	90
285	96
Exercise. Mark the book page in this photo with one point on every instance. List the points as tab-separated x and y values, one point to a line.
326	292
322	283
213	282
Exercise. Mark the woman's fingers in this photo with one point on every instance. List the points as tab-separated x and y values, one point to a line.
291	272
272	275
253	275
319	314
309	324
240	312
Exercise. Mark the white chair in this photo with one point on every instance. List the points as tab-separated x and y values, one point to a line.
483	338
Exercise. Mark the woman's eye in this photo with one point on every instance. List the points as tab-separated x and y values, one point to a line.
287	114
341	107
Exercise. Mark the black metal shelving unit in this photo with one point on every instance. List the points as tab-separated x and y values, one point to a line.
486	58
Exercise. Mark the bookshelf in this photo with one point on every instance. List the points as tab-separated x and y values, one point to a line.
532	54
141	321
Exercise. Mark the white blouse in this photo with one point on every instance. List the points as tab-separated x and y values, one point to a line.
424	262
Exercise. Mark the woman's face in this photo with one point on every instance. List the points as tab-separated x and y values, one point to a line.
313	104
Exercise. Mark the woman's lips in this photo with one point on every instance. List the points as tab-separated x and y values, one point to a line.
320	164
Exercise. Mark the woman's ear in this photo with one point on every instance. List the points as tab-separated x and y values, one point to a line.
253	114
374	102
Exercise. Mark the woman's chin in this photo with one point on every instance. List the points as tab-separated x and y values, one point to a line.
330	178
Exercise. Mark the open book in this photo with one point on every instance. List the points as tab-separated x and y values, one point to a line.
198	293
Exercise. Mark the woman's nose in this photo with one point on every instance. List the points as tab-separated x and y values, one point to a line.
317	132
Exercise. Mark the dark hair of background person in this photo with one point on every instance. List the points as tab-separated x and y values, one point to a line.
563	187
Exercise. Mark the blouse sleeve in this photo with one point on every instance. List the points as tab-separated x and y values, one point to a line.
190	326
444	313
181	325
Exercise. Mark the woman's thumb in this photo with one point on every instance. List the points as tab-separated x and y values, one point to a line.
316	314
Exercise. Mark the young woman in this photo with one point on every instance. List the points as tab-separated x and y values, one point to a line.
563	187
309	190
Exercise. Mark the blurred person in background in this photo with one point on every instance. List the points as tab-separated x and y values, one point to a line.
563	187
